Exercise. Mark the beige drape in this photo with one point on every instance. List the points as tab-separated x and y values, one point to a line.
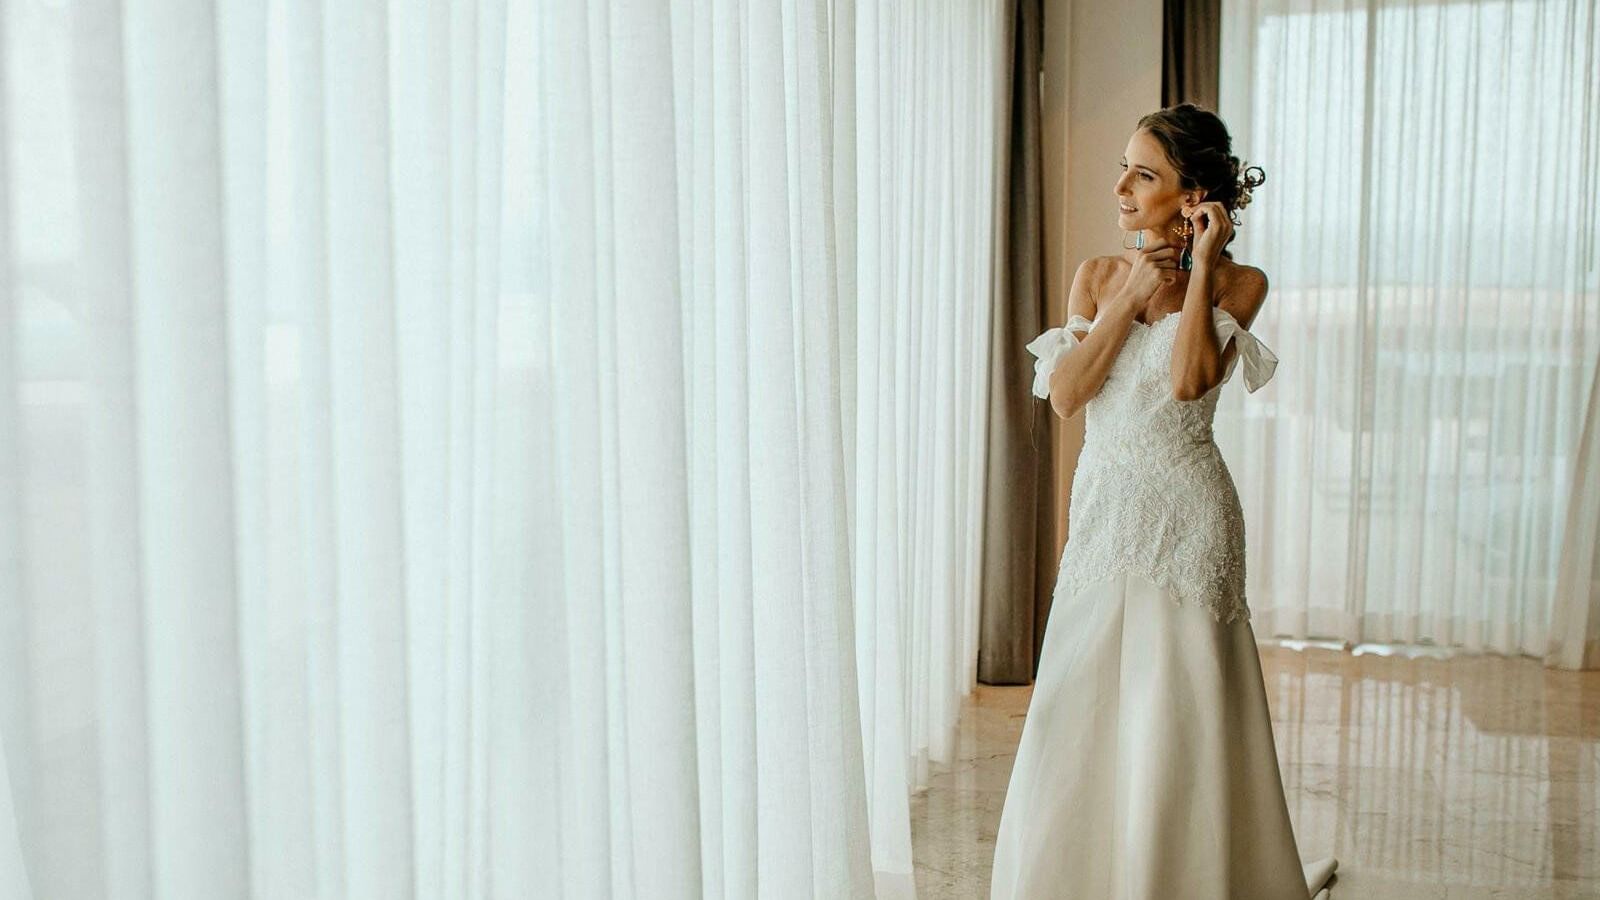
1191	38
1019	556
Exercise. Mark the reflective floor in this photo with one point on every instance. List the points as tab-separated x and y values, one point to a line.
1427	776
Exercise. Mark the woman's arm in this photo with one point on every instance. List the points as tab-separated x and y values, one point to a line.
1081	373
1197	364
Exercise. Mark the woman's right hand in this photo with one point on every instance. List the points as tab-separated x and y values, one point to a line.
1152	269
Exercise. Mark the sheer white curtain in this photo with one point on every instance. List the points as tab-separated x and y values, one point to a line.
509	449
932	92
1429	225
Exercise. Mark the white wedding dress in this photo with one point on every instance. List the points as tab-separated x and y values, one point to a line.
1147	767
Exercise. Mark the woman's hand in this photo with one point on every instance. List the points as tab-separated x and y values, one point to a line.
1212	229
1153	267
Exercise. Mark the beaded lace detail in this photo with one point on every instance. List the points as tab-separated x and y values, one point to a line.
1152	494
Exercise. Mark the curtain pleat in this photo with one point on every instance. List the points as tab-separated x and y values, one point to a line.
1575	607
931	82
1191	33
1017	533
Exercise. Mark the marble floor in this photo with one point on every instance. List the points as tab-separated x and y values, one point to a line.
1427	775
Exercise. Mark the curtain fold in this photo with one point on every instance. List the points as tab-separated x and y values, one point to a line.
1429	226
1575	605
1191	32
931	80
1019	543
504	448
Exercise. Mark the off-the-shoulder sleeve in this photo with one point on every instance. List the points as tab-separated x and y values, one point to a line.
1050	347
1259	361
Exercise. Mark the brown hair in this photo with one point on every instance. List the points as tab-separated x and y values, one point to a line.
1199	147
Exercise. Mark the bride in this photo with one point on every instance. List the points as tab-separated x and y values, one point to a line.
1147	767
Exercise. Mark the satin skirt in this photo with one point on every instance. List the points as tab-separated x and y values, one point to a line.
1147	767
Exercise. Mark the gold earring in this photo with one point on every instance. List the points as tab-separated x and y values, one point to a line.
1184	226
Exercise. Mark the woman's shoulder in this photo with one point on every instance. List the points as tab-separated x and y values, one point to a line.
1237	274
1099	269
1230	273
1105	264
1235	268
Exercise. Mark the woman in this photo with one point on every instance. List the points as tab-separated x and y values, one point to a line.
1147	767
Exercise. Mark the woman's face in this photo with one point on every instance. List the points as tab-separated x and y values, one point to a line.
1148	195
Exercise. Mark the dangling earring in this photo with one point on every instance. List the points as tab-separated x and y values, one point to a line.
1138	240
1186	258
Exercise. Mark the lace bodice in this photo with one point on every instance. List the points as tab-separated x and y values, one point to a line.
1151	493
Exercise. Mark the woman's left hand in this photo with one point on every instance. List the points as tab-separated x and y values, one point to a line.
1212	229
